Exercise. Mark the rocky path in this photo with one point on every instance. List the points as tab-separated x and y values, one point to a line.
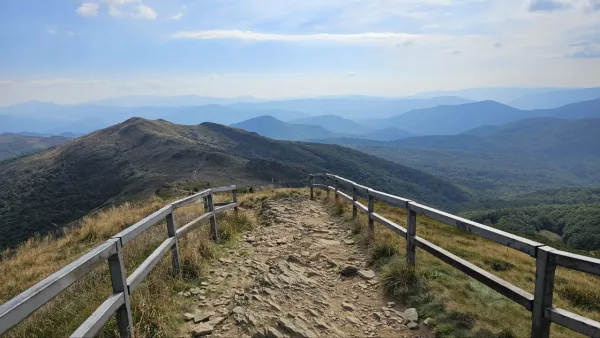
298	274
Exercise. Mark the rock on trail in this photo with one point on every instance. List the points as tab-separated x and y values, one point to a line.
298	274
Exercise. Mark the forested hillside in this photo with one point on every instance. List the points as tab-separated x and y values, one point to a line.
44	191
577	224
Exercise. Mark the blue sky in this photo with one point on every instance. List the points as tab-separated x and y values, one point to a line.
71	51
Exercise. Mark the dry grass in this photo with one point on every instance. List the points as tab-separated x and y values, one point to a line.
156	306
450	294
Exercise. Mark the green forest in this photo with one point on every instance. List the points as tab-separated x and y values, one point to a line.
577	224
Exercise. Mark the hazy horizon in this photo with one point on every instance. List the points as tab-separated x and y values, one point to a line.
77	51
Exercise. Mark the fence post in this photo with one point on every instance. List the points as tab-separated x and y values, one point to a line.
371	207
411	232
545	267
336	185
213	218
118	280
354	199
327	178
312	182
234	198
175	248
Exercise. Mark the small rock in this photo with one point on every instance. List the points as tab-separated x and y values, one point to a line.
391	304
250	239
349	241
330	261
430	322
378	315
271	332
412	325
348	306
349	271
204	284
201	330
411	315
216	321
367	274
353	320
187	294
238	310
188	316
203	317
274	306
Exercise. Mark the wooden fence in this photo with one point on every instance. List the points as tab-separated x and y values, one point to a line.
20	307
547	258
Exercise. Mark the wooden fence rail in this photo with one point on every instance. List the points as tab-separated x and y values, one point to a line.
21	306
547	258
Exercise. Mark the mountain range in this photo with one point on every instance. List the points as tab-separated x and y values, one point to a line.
511	159
317	129
42	192
449	120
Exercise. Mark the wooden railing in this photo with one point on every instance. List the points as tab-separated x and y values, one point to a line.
20	307
547	258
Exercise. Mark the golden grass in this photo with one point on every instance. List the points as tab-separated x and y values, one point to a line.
155	304
574	291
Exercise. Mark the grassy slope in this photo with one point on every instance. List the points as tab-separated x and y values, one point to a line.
156	307
134	159
462	306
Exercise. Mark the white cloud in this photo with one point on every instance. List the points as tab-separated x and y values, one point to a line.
175	17
213	77
115	12
51	30
145	12
118	3
350	74
322	37
4	83
88	9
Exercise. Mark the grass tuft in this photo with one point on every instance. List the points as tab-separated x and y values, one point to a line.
401	280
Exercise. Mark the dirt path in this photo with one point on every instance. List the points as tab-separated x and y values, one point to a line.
287	280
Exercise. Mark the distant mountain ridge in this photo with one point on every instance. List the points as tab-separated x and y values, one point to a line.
515	158
271	127
46	190
12	145
450	120
555	98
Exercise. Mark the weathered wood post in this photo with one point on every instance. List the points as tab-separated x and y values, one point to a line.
327	178
411	232
171	229
234	198
336	185
213	218
118	278
312	182
371	207
545	268
354	199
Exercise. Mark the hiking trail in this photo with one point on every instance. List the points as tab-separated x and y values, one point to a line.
297	274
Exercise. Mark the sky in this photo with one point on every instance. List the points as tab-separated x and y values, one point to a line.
70	51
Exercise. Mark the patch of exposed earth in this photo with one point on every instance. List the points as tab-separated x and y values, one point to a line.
297	274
